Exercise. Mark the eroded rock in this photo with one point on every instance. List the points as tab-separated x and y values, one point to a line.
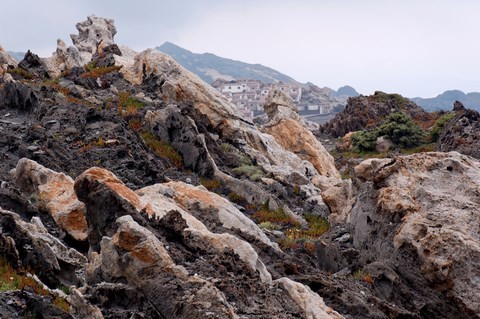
53	192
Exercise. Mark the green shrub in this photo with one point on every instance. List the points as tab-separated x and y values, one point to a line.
399	128
436	130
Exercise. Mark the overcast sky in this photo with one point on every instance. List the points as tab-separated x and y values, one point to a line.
411	47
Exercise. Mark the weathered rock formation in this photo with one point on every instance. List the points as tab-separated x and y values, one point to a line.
139	235
415	233
461	133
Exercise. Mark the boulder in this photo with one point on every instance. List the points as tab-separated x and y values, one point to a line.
419	215
53	192
383	144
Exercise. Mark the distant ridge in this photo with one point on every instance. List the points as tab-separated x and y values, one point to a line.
211	67
445	100
16	55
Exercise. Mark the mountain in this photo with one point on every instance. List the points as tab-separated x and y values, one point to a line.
17	55
210	67
445	100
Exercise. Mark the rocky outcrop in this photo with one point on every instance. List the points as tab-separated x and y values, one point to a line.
53	192
461	133
6	61
284	125
368	111
413	229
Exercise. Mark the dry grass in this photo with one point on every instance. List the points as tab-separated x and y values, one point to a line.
162	149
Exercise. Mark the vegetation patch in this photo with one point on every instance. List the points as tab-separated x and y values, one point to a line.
20	72
213	185
399	128
277	216
364	276
94	72
12	279
253	172
128	105
162	149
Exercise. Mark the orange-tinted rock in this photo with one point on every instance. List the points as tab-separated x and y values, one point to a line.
53	192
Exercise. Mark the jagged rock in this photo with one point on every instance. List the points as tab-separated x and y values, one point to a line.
310	302
80	308
33	64
461	133
19	96
36	248
419	216
278	106
181	131
23	304
192	198
53	192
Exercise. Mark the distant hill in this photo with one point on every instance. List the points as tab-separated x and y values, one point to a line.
346	91
445	100
211	67
17	55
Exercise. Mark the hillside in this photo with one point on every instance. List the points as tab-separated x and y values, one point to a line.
210	67
130	188
445	100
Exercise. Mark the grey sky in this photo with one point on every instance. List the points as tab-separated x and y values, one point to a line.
411	47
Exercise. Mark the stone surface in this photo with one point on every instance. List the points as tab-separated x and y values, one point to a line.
310	302
53	192
461	133
429	206
6	60
31	243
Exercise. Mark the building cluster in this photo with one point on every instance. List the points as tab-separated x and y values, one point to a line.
249	95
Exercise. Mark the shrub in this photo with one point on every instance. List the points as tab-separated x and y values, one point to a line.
399	128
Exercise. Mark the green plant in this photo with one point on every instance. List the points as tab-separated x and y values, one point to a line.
398	127
436	130
128	105
268	226
21	72
277	216
237	199
162	149
251	171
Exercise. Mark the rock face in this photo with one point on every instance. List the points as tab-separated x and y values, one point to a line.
462	133
53	192
285	127
367	111
416	219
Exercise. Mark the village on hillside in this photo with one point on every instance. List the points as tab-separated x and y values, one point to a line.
249	96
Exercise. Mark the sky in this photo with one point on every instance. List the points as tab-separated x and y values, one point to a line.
411	47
